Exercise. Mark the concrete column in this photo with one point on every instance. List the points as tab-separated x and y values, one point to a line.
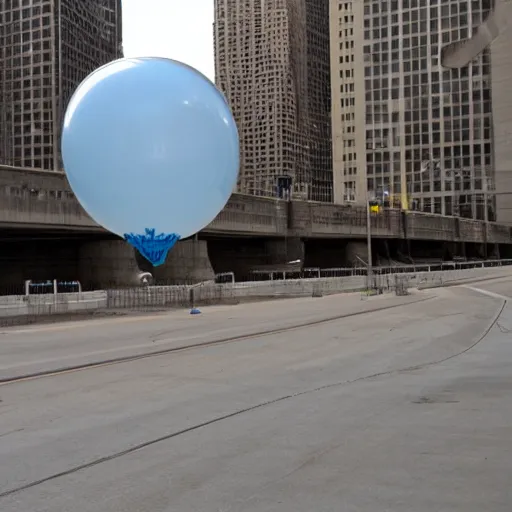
493	252
450	249
107	264
187	263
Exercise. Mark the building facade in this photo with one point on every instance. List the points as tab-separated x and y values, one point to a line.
501	61
406	128
495	33
272	63
47	48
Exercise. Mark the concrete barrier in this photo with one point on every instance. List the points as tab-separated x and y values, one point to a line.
283	288
230	293
50	304
164	297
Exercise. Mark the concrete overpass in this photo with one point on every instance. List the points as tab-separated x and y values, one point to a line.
40	204
42	200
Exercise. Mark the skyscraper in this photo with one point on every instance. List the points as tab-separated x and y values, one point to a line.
47	47
403	125
494	34
272	63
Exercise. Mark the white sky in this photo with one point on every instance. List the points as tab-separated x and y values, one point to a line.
178	29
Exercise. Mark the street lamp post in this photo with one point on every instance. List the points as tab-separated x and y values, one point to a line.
369	269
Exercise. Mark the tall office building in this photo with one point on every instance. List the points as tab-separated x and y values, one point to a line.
47	47
501	62
494	34
403	125
272	63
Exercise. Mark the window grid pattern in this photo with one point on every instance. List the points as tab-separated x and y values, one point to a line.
47	47
272	63
347	98
434	122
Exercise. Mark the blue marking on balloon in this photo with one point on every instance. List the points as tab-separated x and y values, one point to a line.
153	247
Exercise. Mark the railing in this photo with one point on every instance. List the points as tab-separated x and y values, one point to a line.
17	309
312	273
55	287
225	277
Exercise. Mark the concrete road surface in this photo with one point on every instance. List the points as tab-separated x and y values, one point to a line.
407	408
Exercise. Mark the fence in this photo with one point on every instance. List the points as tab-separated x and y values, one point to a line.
308	273
35	306
27	308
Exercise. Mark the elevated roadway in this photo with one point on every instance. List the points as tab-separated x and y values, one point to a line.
42	201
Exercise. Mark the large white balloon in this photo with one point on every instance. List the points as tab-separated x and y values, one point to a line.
151	151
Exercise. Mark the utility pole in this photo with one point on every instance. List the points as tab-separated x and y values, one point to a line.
369	269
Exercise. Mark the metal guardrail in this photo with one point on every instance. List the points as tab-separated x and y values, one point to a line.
35	307
318	273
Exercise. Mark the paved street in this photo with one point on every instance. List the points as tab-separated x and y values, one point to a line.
404	406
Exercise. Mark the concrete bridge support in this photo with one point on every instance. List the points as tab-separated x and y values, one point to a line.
187	263
493	252
116	264
107	264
